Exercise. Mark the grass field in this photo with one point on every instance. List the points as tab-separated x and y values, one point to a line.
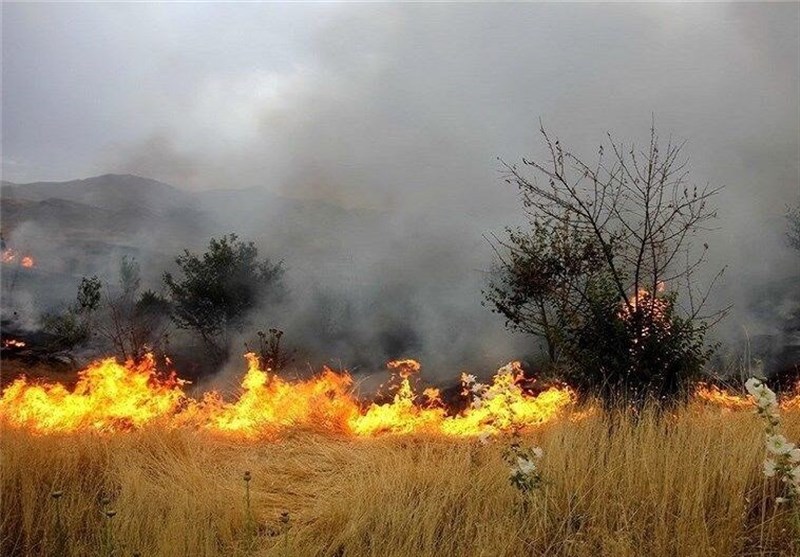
688	484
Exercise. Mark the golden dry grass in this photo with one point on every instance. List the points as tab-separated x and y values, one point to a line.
686	485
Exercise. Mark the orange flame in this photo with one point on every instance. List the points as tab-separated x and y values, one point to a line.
13	343
113	397
107	397
715	396
9	256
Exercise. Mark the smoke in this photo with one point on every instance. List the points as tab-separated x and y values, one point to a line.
365	140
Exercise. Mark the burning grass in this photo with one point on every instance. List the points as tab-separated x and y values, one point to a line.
111	397
125	462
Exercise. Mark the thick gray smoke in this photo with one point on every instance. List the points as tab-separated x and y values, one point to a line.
366	138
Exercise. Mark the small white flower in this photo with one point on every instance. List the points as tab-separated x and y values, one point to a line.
467	379
769	468
777	444
794	455
537	452
477	388
525	466
766	398
752	385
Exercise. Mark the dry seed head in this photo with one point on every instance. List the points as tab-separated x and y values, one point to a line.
110	513
285	517
247	476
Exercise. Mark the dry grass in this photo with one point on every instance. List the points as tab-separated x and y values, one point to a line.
686	485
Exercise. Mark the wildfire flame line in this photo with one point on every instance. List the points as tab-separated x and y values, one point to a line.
111	397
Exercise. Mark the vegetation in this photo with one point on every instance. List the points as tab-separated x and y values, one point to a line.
134	322
692	486
598	272
131	322
793	234
217	290
72	327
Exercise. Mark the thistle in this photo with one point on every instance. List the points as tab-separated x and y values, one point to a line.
248	525
59	528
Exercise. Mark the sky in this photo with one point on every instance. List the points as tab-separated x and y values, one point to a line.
405	108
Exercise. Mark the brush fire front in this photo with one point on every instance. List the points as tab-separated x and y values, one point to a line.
112	397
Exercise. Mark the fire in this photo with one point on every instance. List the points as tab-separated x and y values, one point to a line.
268	403
107	397
9	256
13	343
714	396
110	396
649	302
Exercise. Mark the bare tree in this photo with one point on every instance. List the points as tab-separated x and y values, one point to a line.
626	225
134	323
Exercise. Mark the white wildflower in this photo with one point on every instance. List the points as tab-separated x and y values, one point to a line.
752	386
769	468
794	456
778	445
467	379
525	466
478	388
537	452
766	398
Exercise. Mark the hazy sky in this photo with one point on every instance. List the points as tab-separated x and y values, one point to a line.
406	107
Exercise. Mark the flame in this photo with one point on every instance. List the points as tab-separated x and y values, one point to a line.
13	343
110	396
9	256
715	396
107	397
268	403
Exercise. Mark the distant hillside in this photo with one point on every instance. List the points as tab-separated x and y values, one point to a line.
135	194
82	227
111	208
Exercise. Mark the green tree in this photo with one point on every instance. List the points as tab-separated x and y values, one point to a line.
598	272
218	289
